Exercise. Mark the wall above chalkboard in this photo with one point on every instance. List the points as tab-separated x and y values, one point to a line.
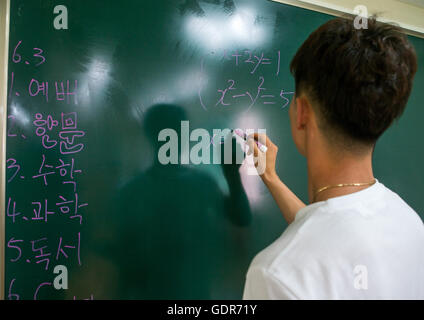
407	14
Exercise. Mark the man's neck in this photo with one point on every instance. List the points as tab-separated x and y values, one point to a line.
324	170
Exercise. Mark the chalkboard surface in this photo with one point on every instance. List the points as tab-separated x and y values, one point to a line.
84	185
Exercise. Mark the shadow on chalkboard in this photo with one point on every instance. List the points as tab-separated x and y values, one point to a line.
175	224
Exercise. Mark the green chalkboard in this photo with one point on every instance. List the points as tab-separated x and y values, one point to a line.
85	187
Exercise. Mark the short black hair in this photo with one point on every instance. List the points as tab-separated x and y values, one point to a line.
359	79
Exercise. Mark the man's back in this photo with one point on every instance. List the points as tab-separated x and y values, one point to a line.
364	245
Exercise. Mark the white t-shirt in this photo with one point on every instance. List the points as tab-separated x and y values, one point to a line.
364	245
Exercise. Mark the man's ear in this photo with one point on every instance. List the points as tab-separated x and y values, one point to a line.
303	109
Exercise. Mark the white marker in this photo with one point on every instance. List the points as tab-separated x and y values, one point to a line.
243	135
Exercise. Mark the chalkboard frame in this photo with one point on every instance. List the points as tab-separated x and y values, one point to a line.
337	10
4	57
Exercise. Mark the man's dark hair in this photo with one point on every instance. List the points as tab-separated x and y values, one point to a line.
359	79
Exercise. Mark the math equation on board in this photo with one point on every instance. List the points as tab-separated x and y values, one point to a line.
59	143
252	66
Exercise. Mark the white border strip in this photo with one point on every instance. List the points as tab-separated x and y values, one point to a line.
4	44
335	10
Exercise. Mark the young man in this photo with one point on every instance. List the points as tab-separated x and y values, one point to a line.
357	239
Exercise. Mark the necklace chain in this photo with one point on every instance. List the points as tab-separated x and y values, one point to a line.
344	185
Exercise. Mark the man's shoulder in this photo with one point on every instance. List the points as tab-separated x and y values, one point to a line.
292	243
285	263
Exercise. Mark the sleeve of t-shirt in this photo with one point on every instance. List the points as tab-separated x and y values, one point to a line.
261	285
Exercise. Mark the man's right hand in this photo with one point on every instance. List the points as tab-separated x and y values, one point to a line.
264	161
